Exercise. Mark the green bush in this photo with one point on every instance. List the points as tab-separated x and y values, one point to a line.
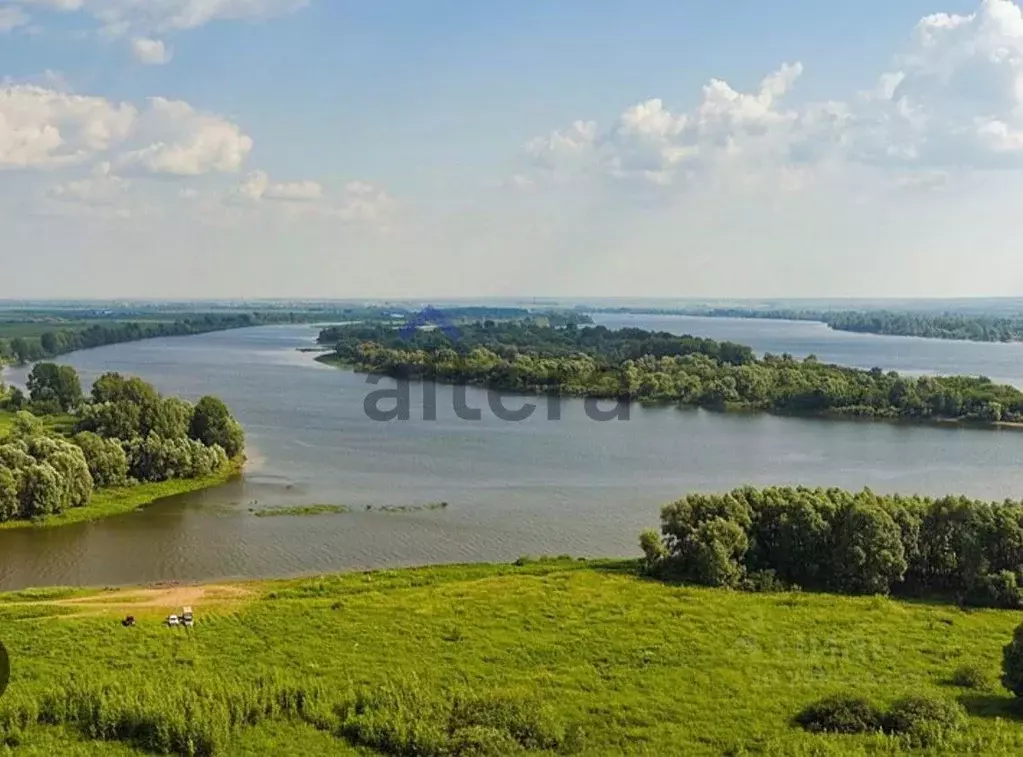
999	590
840	714
970	677
654	551
1012	663
926	721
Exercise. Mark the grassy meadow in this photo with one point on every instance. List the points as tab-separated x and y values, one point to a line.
546	657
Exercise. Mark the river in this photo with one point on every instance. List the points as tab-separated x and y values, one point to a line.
538	486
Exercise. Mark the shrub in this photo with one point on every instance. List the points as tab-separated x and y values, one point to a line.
840	714
654	550
925	720
970	677
999	590
1012	663
766	581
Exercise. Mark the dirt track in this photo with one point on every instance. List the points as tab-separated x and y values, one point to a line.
169	598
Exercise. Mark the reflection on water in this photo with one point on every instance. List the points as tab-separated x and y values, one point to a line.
571	486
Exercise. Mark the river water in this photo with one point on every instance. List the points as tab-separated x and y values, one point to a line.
538	486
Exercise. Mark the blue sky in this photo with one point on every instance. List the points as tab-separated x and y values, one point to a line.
335	148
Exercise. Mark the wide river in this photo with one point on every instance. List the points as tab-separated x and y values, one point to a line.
538	486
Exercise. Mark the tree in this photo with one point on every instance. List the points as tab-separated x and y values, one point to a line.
42	491
212	424
868	556
170	418
49	382
108	464
69	462
9	502
16	399
706	538
112	420
26	426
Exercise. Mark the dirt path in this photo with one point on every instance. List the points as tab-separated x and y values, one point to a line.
169	598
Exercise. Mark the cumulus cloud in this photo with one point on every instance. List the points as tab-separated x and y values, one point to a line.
957	96
953	99
181	141
562	148
650	141
152	52
43	128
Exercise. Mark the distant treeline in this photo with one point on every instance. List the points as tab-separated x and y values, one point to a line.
658	367
835	540
974	328
62	340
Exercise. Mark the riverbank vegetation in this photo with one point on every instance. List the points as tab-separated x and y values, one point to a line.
657	367
953	548
549	657
40	336
123	435
954	326
30	335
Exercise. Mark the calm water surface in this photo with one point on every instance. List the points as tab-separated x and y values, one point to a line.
571	486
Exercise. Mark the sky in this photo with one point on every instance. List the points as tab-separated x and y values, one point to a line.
583	148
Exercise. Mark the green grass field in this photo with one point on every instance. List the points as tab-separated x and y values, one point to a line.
566	657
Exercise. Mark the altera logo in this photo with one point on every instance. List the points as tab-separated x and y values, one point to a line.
429	318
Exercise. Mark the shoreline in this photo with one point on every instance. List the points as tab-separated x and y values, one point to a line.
333	360
107	503
817	321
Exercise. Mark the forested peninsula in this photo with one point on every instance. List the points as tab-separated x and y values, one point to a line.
658	367
65	457
973	328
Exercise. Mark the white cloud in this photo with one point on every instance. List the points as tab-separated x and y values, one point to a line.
145	16
46	128
141	19
101	188
11	18
957	96
955	99
364	202
567	147
257	186
152	52
650	141
43	128
181	141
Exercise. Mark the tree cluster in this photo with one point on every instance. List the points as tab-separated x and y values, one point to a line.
41	475
126	433
839	541
659	367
